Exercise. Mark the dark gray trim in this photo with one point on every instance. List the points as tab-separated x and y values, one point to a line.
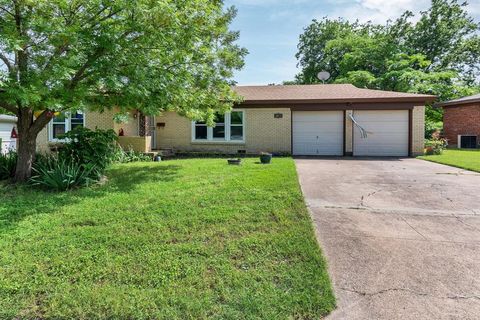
410	133
338	106
421	100
452	104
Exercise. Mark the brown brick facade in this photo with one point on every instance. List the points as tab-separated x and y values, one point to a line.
461	120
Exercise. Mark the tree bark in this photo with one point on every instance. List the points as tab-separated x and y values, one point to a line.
26	155
28	130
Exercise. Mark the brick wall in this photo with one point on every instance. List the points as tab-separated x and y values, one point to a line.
418	130
461	120
94	120
263	132
348	133
139	144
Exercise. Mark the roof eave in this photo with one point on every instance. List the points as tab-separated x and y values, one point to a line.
423	100
455	103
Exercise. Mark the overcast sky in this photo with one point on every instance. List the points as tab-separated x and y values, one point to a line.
269	29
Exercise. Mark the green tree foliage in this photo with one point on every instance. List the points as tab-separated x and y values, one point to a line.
151	55
437	55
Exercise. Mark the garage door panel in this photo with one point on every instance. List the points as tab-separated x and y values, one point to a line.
387	133
317	133
317	116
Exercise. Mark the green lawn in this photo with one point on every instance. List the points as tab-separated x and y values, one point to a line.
465	159
183	239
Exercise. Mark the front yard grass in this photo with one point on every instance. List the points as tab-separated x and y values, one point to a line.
183	239
465	159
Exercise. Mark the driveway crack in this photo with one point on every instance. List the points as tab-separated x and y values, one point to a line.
363	198
418	232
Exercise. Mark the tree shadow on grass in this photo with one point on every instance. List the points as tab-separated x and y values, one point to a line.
125	179
20	202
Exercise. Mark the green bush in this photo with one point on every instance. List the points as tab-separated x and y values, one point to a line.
431	128
61	174
435	146
90	147
131	156
8	162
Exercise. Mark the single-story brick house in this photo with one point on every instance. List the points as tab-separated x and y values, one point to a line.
461	121
333	119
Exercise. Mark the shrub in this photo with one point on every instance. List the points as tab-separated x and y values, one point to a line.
90	147
435	146
61	174
131	156
8	162
432	127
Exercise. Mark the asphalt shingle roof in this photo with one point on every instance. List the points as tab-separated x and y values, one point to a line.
323	93
464	100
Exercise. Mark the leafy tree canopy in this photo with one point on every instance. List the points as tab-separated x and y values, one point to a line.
439	54
151	55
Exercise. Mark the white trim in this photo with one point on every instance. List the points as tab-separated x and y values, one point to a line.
227	124
459	140
68	126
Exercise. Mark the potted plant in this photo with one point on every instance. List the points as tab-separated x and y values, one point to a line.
235	161
265	157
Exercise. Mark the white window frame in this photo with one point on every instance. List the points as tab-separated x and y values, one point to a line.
459	139
228	124
68	126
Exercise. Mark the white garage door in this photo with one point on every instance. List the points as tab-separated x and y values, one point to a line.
387	133
318	133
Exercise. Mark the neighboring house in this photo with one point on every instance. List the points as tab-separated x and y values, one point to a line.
7	133
294	119
461	121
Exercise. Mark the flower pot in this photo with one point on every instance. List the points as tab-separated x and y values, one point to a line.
429	151
265	158
234	161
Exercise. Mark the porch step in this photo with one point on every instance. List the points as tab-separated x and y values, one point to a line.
165	152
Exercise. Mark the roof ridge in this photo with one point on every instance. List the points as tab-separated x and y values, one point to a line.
295	85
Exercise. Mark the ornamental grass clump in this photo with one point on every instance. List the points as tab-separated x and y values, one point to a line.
8	162
59	174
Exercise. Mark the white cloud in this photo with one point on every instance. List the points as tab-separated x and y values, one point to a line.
378	11
265	3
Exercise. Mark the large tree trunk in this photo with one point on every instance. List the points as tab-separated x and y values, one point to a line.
28	130
26	155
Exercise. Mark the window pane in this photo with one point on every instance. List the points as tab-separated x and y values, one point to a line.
219	118
236	133
58	131
76	120
237	117
59	118
200	132
76	124
219	132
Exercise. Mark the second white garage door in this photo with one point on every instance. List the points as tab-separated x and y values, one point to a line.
318	133
387	133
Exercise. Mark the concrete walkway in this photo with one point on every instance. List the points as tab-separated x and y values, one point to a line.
401	236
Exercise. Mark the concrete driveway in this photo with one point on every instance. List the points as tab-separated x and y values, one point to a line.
401	236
